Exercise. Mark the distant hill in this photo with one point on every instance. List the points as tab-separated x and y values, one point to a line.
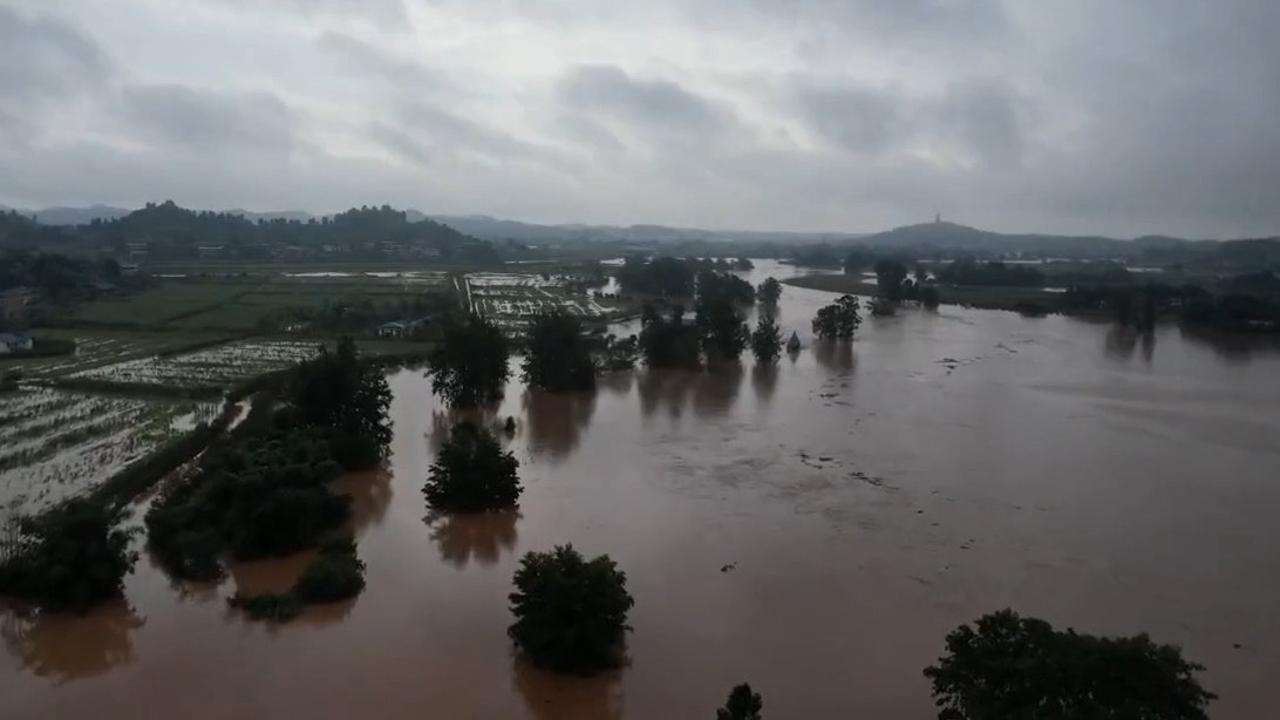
491	228
950	236
78	215
298	215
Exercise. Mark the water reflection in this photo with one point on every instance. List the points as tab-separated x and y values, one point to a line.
556	420
370	494
564	697
1234	349
764	378
68	647
480	537
716	390
837	357
443	420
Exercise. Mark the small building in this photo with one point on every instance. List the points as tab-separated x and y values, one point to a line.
14	342
402	328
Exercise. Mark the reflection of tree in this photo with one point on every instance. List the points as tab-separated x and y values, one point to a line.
764	378
370	494
670	388
619	382
716	390
1233	348
834	355
1120	342
71	647
556	420
442	421
568	697
463	537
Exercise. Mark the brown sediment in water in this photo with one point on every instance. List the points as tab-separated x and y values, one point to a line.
815	529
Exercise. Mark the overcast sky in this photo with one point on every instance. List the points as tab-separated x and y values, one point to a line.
1086	116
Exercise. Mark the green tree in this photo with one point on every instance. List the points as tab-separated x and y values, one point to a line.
856	261
571	614
557	355
1015	667
769	291
472	473
348	397
724	330
839	319
668	342
929	296
766	340
71	557
889	276
743	704
469	366
336	573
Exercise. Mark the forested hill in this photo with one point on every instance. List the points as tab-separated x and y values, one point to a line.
168	231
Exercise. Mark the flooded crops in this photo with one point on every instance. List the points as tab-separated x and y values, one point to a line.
217	366
815	529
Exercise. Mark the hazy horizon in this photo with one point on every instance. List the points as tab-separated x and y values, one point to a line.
1081	118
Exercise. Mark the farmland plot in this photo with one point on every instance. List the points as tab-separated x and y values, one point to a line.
94	348
56	444
512	300
212	367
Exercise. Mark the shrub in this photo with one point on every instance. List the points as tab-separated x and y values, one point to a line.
1014	667
571	614
69	558
335	574
472	473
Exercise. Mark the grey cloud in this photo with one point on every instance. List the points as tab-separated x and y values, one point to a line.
208	121
366	60
384	14
43	56
988	118
854	118
651	106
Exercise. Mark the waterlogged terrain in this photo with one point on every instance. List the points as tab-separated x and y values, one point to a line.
815	530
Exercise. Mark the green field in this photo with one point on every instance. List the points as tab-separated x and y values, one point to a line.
996	298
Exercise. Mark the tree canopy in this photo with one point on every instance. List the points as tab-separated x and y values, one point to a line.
1015	667
665	277
769	291
838	320
889	277
766	340
71	557
743	704
668	341
350	398
472	473
557	354
571	614
469	365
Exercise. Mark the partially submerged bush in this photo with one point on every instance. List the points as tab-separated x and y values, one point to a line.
472	473
571	614
336	573
1015	667
71	557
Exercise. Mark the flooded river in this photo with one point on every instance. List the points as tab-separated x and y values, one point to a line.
815	530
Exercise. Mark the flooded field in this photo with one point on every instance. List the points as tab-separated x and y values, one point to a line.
815	530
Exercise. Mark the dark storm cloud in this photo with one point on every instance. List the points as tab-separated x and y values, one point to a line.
1062	115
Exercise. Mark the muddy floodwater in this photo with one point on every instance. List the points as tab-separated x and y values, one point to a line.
815	530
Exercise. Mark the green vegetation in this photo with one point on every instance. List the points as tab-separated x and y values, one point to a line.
469	366
766	340
1015	667
668	341
890	275
618	353
723	330
557	354
769	292
472	473
68	558
336	573
838	320
967	271
743	704
664	277
265	492
571	614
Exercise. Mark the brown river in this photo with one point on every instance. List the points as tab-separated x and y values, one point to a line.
815	530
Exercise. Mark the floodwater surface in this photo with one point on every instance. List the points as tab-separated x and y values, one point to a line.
815	529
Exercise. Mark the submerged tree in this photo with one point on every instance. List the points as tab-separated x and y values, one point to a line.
557	355
743	704
472	473
1015	667
766	340
338	392
668	342
769	291
838	320
469	366
889	277
70	557
571	614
